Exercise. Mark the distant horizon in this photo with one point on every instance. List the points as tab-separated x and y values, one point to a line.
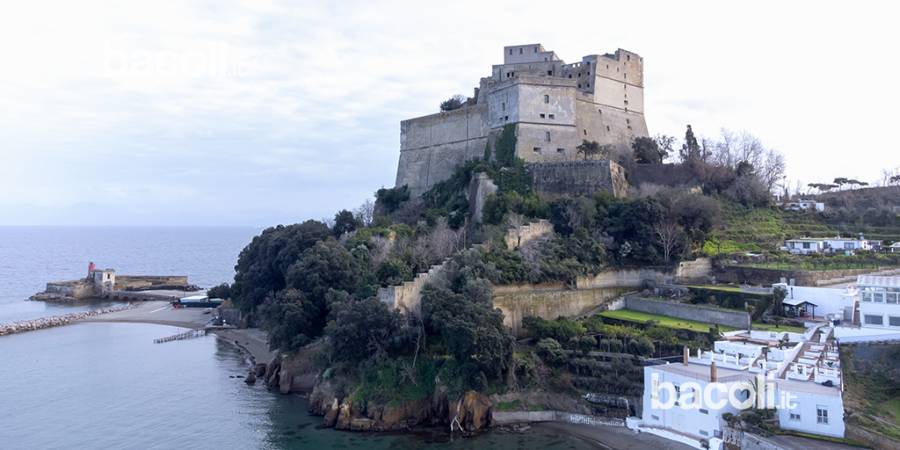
252	114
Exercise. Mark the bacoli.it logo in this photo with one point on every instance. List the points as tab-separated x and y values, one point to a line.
759	391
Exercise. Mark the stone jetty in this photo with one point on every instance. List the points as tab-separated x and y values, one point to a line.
55	321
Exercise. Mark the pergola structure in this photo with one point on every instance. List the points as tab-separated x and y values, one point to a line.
798	308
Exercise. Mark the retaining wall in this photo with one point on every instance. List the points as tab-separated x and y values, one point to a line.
510	417
699	313
548	302
686	271
767	277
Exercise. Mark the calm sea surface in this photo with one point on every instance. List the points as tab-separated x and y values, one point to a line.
107	386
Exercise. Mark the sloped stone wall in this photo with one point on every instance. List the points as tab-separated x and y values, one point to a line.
579	178
519	236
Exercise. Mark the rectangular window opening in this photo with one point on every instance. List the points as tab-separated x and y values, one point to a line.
546	99
821	414
871	319
562	150
547	136
542	116
894	321
536	150
552	116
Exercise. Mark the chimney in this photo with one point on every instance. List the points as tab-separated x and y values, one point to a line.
713	376
687	354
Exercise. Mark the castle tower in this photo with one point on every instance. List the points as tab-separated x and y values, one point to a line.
553	106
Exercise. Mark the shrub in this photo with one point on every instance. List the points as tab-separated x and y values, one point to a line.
550	351
641	346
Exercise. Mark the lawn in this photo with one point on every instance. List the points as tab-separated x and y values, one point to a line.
684	324
717	287
773	327
664	321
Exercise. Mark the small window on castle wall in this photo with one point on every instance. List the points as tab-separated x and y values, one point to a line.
549	72
546	99
628	57
520	51
560	150
506	118
535	49
570	75
503	106
510	51
536	150
547	136
626	76
588	85
542	116
579	85
627	120
600	111
552	116
607	128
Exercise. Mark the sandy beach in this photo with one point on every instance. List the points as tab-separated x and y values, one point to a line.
251	340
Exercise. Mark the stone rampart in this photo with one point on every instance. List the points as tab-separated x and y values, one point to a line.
78	289
699	313
138	282
480	188
548	302
407	296
521	235
579	178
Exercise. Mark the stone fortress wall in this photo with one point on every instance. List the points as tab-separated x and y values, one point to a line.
553	106
579	178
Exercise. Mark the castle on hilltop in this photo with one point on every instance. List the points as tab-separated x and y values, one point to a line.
553	106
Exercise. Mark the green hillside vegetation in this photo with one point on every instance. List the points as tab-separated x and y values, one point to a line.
316	282
872	398
663	321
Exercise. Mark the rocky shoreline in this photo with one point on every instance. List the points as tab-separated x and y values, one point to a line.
55	321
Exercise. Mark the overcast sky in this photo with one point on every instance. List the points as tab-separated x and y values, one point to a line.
257	113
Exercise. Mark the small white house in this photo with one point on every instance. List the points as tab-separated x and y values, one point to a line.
805	205
804	246
893	248
879	305
847	245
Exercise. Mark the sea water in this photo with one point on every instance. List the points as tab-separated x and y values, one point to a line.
108	386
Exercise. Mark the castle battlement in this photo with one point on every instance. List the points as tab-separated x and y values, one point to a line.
554	106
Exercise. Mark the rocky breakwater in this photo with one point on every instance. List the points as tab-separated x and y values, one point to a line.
55	321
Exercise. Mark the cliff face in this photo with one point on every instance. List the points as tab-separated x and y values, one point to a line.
469	413
332	398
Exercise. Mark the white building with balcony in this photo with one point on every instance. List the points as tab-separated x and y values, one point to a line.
801	371
879	305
